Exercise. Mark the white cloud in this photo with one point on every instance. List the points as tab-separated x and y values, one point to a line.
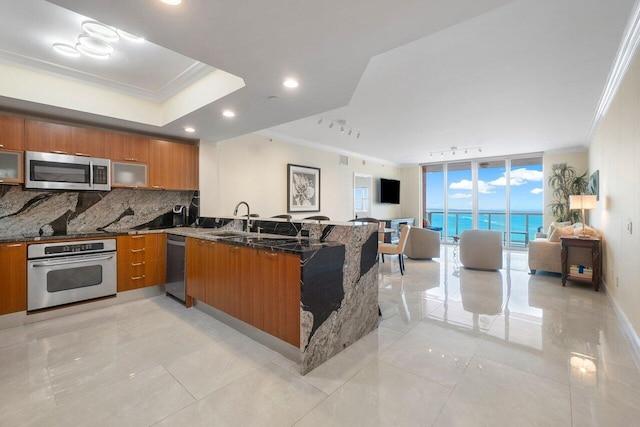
460	196
465	184
519	177
537	191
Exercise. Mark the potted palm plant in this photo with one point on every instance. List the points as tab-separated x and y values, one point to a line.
565	181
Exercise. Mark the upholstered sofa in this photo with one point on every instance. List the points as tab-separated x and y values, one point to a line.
423	244
544	251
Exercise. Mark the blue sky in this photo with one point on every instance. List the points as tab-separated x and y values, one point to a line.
526	189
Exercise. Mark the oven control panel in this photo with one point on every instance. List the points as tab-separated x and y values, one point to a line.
70	248
80	247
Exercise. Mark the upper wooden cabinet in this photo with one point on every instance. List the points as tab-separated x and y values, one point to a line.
48	137
89	143
127	148
11	133
173	166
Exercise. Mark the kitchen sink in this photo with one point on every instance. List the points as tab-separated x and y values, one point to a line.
227	233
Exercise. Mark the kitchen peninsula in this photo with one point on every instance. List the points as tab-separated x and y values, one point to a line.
317	294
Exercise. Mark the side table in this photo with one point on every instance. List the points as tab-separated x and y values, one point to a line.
596	260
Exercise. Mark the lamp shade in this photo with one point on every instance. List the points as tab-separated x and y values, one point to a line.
582	201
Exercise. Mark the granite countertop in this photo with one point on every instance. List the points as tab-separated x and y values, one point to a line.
267	241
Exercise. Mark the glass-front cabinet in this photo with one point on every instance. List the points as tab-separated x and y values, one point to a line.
11	167
130	175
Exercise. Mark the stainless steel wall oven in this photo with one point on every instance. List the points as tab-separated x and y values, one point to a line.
65	272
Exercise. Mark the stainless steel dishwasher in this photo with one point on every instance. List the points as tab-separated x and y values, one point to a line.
175	266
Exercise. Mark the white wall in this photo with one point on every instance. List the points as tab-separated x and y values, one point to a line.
578	159
411	193
614	153
253	168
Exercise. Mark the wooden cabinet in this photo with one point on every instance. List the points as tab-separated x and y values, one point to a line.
277	280
173	166
259	287
141	261
127	148
593	265
129	175
13	281
88	143
48	137
11	167
11	133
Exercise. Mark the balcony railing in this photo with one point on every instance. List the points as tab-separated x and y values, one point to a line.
523	224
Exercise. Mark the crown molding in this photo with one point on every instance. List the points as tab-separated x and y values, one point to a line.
624	56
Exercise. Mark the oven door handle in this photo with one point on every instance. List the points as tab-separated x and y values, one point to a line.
70	261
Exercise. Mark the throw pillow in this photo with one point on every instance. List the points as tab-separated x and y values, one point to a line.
560	232
588	231
556	224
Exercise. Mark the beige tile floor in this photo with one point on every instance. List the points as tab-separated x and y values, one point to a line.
454	348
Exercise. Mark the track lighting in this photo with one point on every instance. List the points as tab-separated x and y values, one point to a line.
350	131
320	121
342	129
331	125
453	151
342	125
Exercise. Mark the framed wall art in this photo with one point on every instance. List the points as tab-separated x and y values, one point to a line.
303	189
592	187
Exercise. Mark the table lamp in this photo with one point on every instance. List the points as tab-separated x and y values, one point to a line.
582	202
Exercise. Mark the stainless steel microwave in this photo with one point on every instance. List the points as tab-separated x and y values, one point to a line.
65	172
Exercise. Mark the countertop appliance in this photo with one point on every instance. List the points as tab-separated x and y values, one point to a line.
175	266
66	272
180	216
54	171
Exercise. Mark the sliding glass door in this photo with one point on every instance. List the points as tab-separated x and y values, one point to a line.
495	194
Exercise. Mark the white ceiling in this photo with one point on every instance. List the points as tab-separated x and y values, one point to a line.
411	76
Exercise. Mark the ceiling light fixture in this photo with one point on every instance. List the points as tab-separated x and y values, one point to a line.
331	125
94	44
320	121
172	2
66	49
131	37
342	126
453	150
189	129
228	113
291	83
101	31
91	53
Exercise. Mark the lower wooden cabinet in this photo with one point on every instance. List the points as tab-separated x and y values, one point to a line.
141	261
259	287
13	277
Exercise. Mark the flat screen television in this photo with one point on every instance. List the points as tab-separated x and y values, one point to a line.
389	191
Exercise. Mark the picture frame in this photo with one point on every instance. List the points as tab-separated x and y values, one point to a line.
303	189
594	182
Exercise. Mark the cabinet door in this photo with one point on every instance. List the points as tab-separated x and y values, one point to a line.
236	282
173	166
11	167
129	175
48	137
278	274
196	252
11	133
13	285
127	148
88	143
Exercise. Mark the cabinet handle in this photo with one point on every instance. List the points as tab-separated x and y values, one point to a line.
130	159
157	187
14	245
82	154
234	248
138	278
138	250
138	237
137	264
58	152
1	145
271	254
1	180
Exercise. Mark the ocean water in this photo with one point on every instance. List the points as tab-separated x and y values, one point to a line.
459	221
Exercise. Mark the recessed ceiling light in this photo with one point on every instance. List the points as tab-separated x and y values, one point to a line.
291	83
172	2
101	31
228	113
66	49
95	45
189	129
130	37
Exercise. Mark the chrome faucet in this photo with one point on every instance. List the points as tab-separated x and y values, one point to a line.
235	212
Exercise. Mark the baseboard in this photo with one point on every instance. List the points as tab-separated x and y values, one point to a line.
21	318
627	330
